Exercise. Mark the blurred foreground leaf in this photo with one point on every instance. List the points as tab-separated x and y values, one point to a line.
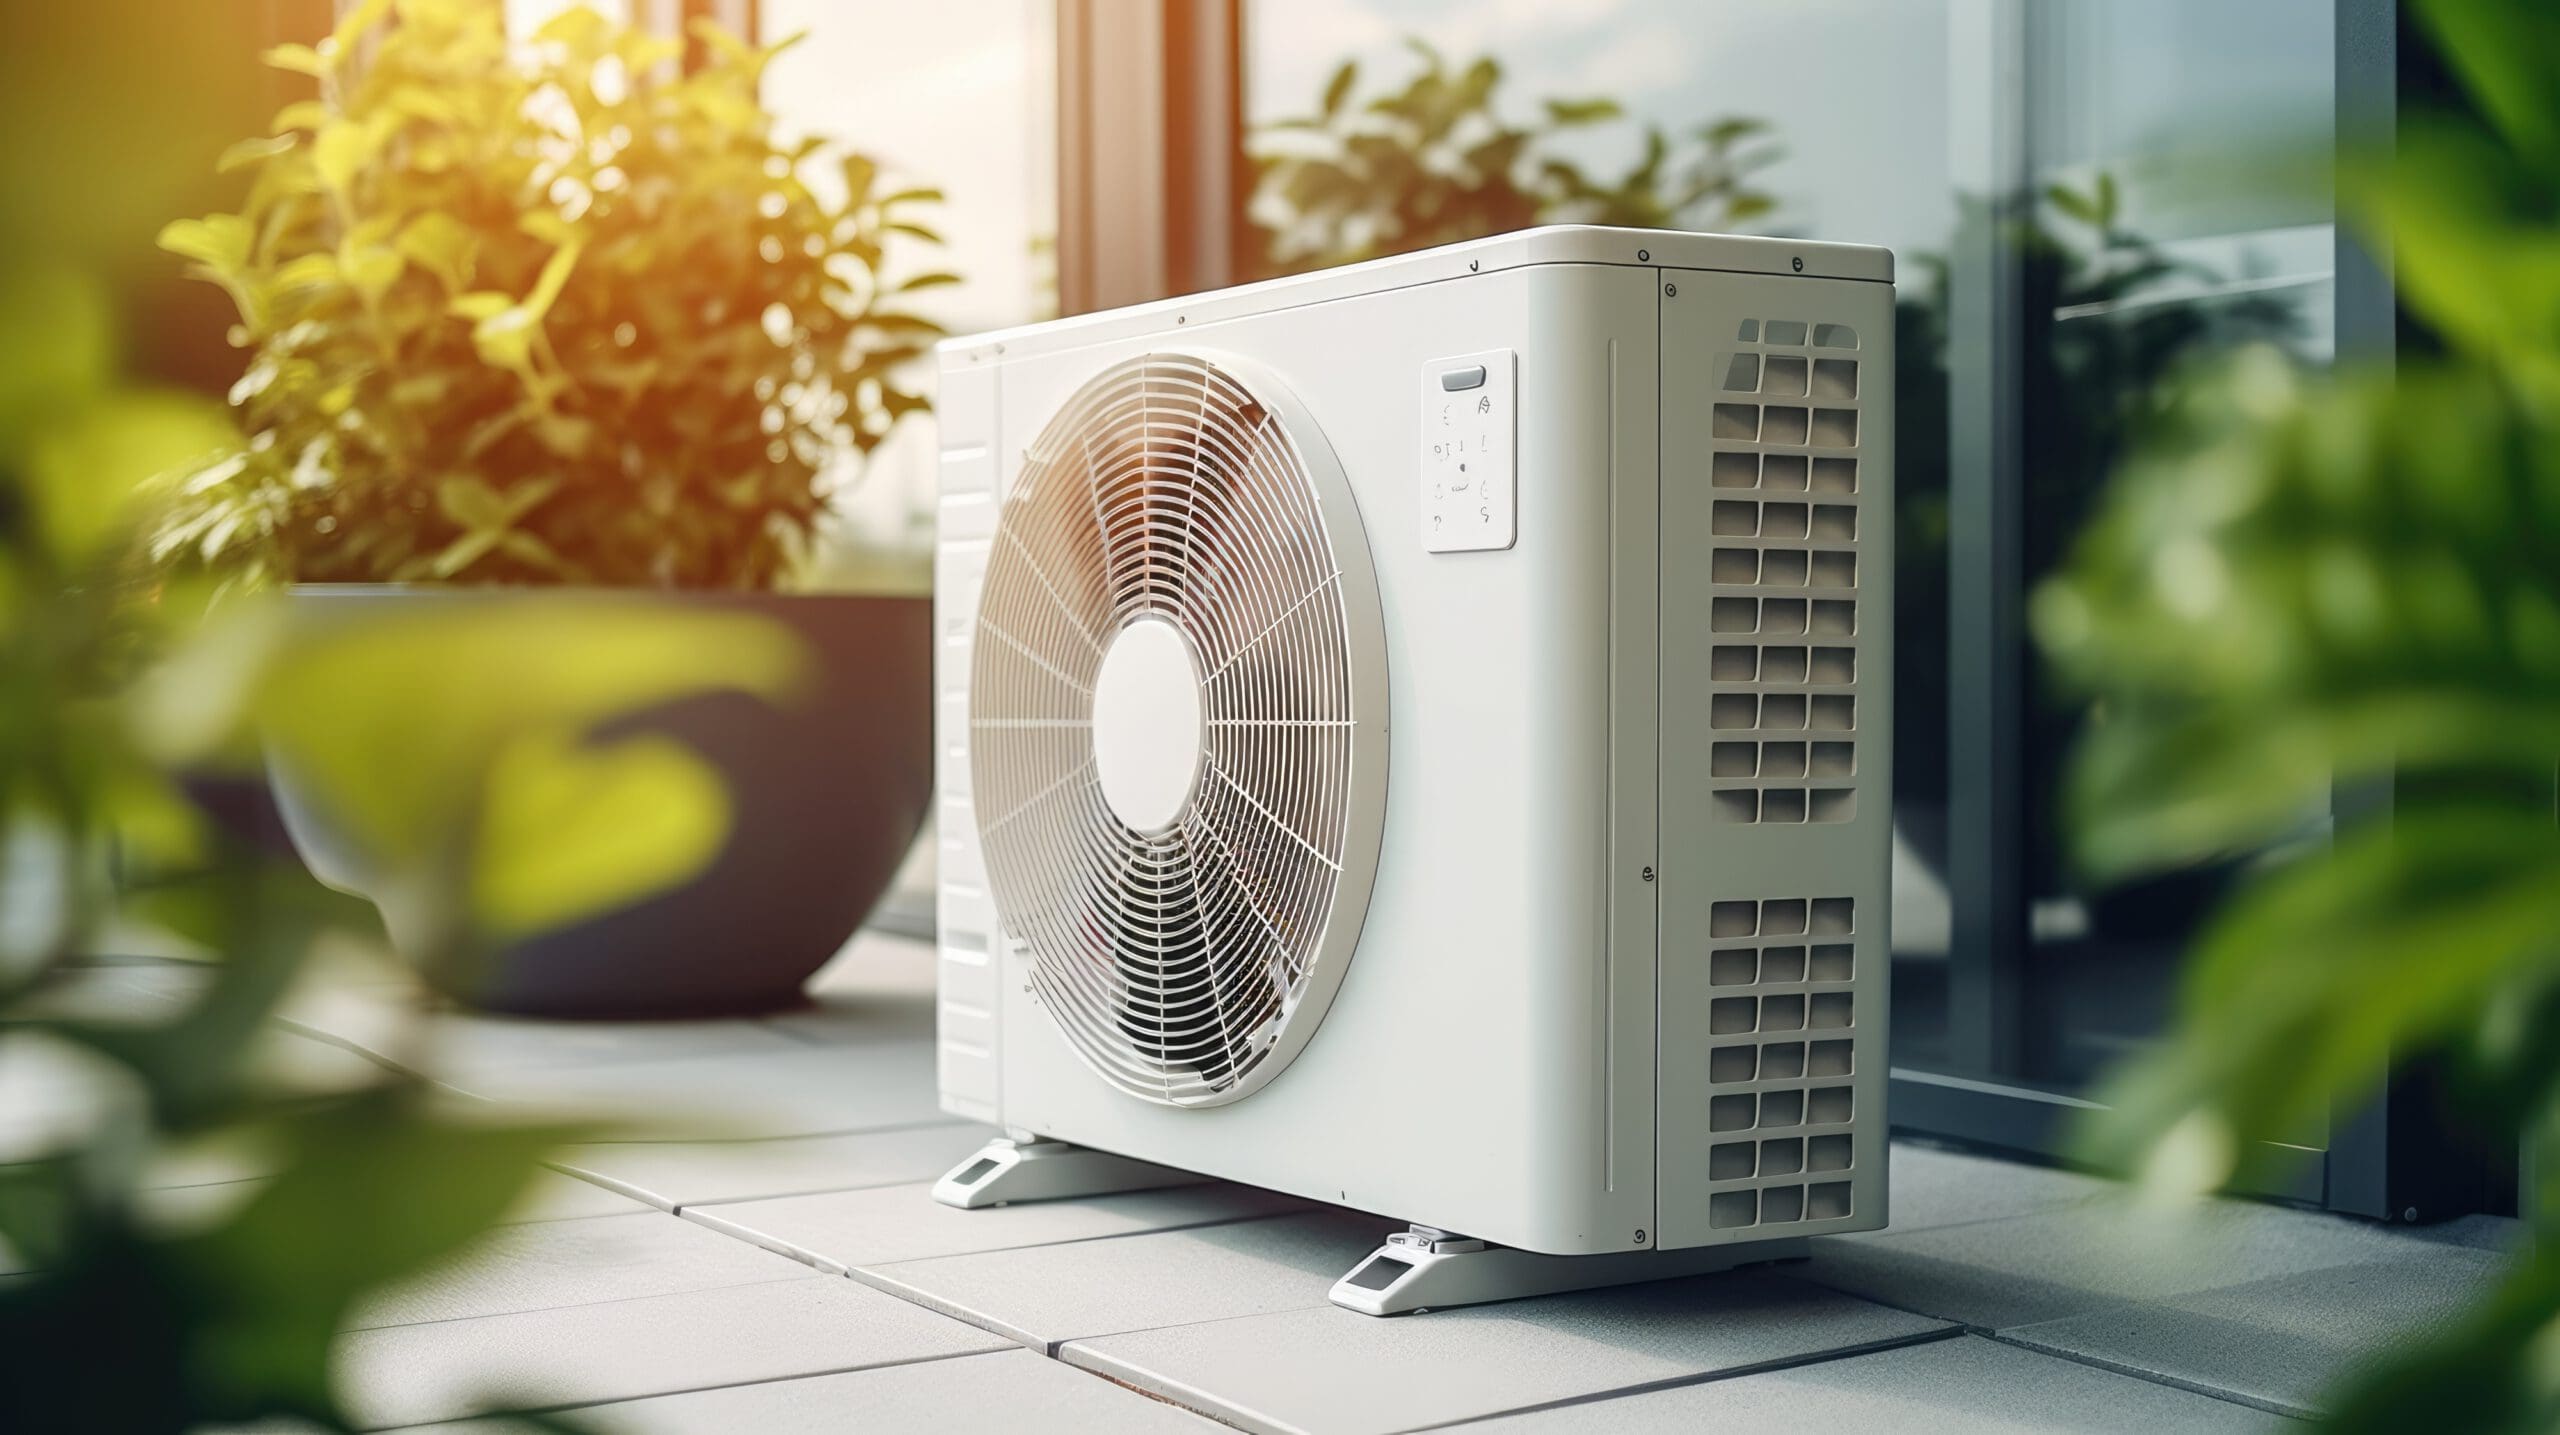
2318	585
281	1278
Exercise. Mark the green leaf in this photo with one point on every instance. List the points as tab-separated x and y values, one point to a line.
554	277
471	501
370	269
2505	55
2476	1371
1338	88
443	246
354	22
302	115
2299	993
87	472
860	173
220	243
893	323
245	153
1583	112
399	755
300	60
480	304
2073	203
926	281
339	152
572	827
1725	133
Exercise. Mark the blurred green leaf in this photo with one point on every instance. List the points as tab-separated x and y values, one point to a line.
2506	55
371	714
2300	992
2304	584
284	1275
298	59
571	828
1338	88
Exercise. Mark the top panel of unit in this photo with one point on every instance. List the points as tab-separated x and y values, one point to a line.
1552	244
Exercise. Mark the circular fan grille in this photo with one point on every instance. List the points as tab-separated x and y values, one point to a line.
1186	963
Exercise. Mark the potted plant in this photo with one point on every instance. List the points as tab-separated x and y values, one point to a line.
531	320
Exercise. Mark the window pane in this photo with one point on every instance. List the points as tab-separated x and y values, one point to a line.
1848	103
1855	147
957	95
2153	245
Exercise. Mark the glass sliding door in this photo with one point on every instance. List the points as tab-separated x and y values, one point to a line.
2120	224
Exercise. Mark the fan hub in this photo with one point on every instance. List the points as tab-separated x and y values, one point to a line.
1148	739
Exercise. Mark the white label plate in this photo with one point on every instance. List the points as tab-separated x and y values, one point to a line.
1469	486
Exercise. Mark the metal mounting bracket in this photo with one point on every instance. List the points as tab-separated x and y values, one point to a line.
1006	1170
1426	1269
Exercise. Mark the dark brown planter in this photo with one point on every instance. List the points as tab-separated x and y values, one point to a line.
827	795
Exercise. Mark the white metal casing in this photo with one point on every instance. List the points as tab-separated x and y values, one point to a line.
1520	1048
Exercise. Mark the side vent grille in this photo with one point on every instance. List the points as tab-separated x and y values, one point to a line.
1785	528
1783	1034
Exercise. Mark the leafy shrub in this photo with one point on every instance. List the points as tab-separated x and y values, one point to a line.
556	312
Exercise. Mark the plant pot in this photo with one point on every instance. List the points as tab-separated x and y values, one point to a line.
826	796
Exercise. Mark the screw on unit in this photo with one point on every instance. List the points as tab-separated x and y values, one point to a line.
1670	291
1644	256
1648	874
2410	1214
1639	1235
1799	261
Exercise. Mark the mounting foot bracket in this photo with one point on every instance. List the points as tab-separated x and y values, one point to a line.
1005	1170
1425	1269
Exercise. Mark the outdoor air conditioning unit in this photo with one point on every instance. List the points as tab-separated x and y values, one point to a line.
1418	736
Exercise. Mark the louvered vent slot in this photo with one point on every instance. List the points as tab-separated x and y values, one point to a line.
1784	1035
1785	531
1173	960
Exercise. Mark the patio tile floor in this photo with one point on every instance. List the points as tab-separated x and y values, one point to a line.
755	1249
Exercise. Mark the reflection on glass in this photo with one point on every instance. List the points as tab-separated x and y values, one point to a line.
2146	249
1377	126
1854	91
957	96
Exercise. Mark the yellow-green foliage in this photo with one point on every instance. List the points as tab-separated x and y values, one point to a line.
544	312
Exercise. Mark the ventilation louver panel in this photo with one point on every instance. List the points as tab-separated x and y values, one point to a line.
1784	1032
1184	965
1785	532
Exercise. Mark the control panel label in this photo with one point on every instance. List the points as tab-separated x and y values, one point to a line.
1469	496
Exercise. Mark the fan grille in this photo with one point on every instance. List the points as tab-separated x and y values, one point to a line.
1182	965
